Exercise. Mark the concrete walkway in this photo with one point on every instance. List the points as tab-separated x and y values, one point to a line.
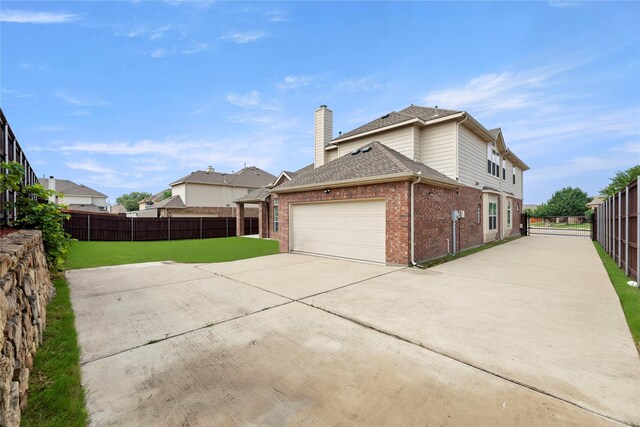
527	333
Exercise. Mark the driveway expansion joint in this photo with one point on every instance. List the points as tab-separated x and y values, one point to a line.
486	371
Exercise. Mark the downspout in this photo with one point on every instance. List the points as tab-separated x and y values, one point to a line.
413	242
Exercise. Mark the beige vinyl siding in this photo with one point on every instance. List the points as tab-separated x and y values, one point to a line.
331	155
180	190
399	139
417	148
473	161
76	200
204	195
322	134
438	148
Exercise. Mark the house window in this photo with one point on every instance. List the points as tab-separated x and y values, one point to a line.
513	171
275	215
504	170
509	213
493	217
493	162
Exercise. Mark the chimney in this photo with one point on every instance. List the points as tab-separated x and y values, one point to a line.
323	133
210	169
51	183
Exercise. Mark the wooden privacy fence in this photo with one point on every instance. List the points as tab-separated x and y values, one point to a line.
91	227
617	227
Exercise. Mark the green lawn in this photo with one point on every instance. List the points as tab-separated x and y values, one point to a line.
585	226
56	397
629	296
97	254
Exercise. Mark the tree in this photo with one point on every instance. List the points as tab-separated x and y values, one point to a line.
166	194
34	211
620	180
565	202
130	200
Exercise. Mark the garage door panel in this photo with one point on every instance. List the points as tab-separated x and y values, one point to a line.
345	229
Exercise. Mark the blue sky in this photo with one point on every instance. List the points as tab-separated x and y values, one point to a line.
129	96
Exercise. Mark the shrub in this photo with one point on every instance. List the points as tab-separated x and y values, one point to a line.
34	210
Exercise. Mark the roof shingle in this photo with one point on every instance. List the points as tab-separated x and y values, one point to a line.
379	161
247	177
70	188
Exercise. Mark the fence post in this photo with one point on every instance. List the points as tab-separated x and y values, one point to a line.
88	228
132	229
168	228
201	227
620	229
227	226
626	232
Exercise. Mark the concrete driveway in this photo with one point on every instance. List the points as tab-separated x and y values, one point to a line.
527	333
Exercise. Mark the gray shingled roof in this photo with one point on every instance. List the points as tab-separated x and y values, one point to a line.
394	117
494	132
70	188
258	195
247	177
379	161
171	202
85	208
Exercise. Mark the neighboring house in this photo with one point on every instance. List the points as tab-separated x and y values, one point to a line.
118	210
595	202
210	194
150	201
387	191
76	197
530	207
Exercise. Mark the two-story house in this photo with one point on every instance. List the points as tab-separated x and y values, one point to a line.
207	193
409	186
77	197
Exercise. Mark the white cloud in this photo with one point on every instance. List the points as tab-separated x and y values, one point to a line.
80	101
15	93
90	166
493	93
293	82
244	37
277	16
361	84
158	53
248	100
563	4
54	128
153	33
29	17
195	48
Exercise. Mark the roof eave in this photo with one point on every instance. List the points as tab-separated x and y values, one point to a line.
402	176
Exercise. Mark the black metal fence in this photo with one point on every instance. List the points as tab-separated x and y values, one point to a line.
567	226
101	227
10	150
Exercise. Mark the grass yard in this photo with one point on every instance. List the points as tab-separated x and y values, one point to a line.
98	254
629	296
466	252
56	397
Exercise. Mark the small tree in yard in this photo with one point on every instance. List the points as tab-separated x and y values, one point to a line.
621	180
36	212
565	202
130	201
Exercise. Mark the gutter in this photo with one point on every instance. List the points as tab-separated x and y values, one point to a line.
413	242
402	176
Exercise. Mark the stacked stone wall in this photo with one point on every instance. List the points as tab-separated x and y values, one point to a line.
25	290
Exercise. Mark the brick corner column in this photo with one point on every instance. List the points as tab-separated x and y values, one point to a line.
263	220
240	220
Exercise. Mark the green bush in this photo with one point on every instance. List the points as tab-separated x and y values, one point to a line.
36	212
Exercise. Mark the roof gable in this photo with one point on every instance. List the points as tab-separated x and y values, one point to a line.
250	177
70	188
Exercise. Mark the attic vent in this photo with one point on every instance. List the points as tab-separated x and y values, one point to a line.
356	151
386	116
366	149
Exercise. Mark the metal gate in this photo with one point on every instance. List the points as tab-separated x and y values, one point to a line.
567	226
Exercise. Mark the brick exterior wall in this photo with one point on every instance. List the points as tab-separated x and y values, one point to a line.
263	220
432	209
516	216
396	196
433	226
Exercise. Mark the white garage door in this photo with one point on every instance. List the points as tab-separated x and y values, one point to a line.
352	229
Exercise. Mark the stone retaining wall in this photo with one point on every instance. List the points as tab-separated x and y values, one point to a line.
25	290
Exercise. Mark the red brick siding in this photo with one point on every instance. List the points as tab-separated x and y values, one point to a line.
396	196
516	216
433	224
